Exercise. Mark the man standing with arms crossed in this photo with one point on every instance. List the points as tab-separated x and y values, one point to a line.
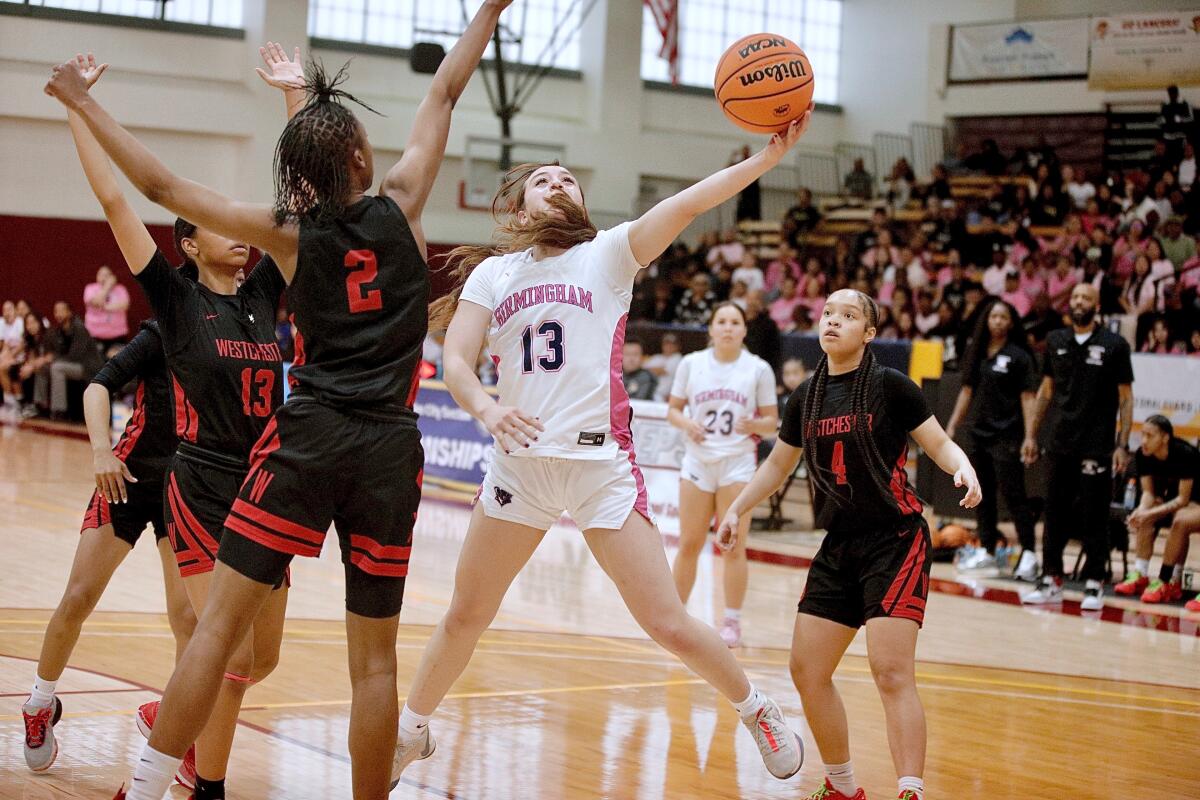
1088	376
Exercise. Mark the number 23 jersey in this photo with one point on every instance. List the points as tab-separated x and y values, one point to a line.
718	396
556	332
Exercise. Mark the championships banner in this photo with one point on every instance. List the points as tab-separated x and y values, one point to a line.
1054	48
1145	51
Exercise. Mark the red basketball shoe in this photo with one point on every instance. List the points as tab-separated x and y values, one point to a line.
1159	592
186	776
827	792
1134	584
1193	604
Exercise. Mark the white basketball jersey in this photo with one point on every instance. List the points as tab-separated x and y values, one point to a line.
718	395
556	334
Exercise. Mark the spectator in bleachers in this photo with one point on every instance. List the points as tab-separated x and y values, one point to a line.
1080	189
988	160
762	334
663	364
906	326
663	308
1032	277
858	182
12	354
927	316
783	307
1060	283
900	182
993	276
1158	339
729	252
749	273
36	355
1177	246
1176	120
738	294
882	254
1093	217
1128	247
1139	294
73	356
1158	201
800	218
949	231
12	327
1013	295
639	382
812	296
722	282
1050	209
1193	343
106	312
1160	265
954	290
802	320
1040	322
696	305
1187	167
784	265
939	183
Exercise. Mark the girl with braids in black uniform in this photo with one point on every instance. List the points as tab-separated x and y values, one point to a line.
345	447
851	421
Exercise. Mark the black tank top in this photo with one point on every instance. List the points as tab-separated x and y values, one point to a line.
226	371
359	302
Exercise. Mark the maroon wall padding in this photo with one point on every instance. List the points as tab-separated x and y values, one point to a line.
44	259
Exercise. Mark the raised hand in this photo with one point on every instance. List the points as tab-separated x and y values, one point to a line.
284	74
780	143
87	66
727	532
67	84
966	477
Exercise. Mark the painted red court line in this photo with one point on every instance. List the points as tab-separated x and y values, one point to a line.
77	691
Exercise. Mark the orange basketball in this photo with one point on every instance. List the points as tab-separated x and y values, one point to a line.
951	536
763	82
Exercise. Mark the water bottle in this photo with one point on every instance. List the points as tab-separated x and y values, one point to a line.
1130	495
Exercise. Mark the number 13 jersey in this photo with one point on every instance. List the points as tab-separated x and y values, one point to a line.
718	396
556	332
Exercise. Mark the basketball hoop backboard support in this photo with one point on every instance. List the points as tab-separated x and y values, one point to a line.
482	171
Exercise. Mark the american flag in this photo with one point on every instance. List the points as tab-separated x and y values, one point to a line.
666	19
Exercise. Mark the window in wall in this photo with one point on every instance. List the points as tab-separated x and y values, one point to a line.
707	27
218	13
544	27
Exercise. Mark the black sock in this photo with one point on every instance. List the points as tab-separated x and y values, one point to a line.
209	790
1166	573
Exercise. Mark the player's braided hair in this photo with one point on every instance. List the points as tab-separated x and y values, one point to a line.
570	227
866	381
312	170
185	230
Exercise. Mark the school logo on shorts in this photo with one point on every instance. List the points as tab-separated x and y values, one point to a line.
592	439
503	497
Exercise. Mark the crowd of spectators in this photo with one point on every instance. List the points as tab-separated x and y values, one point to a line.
39	358
1027	229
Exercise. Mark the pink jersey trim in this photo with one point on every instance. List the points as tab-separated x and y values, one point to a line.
619	415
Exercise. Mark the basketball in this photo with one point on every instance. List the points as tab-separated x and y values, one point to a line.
763	82
951	536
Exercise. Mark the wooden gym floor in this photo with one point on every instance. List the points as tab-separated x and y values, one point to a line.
566	698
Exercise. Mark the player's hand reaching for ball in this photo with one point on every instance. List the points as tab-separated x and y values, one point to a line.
966	477
512	427
67	83
284	73
727	532
780	143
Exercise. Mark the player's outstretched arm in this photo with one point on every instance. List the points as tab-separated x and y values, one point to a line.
410	180
653	232
950	457
253	223
767	479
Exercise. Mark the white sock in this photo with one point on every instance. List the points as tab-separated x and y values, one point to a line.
412	723
1142	565
733	613
912	783
1177	573
42	693
153	775
841	777
748	708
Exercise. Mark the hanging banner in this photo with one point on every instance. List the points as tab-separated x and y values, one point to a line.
1167	385
1145	51
1055	48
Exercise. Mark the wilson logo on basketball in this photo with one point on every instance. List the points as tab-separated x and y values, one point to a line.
783	110
784	70
754	47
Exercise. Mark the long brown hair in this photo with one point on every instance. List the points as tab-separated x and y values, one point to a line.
551	230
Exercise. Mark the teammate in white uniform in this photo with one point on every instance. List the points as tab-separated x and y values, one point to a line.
730	397
550	297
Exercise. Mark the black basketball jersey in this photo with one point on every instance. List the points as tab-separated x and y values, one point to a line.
226	371
895	406
359	301
148	441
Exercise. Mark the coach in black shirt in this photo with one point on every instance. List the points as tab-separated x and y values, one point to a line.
1088	376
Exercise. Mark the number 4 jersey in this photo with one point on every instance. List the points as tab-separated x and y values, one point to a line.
556	332
718	396
226	372
360	304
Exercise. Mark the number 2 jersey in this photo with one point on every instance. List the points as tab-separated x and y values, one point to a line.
895	406
360	301
718	396
556	333
225	365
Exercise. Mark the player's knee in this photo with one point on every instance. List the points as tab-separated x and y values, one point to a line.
182	619
691	546
79	600
671	631
467	617
892	676
805	675
264	664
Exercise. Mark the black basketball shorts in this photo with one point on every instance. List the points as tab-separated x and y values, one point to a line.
129	519
199	491
315	465
859	575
